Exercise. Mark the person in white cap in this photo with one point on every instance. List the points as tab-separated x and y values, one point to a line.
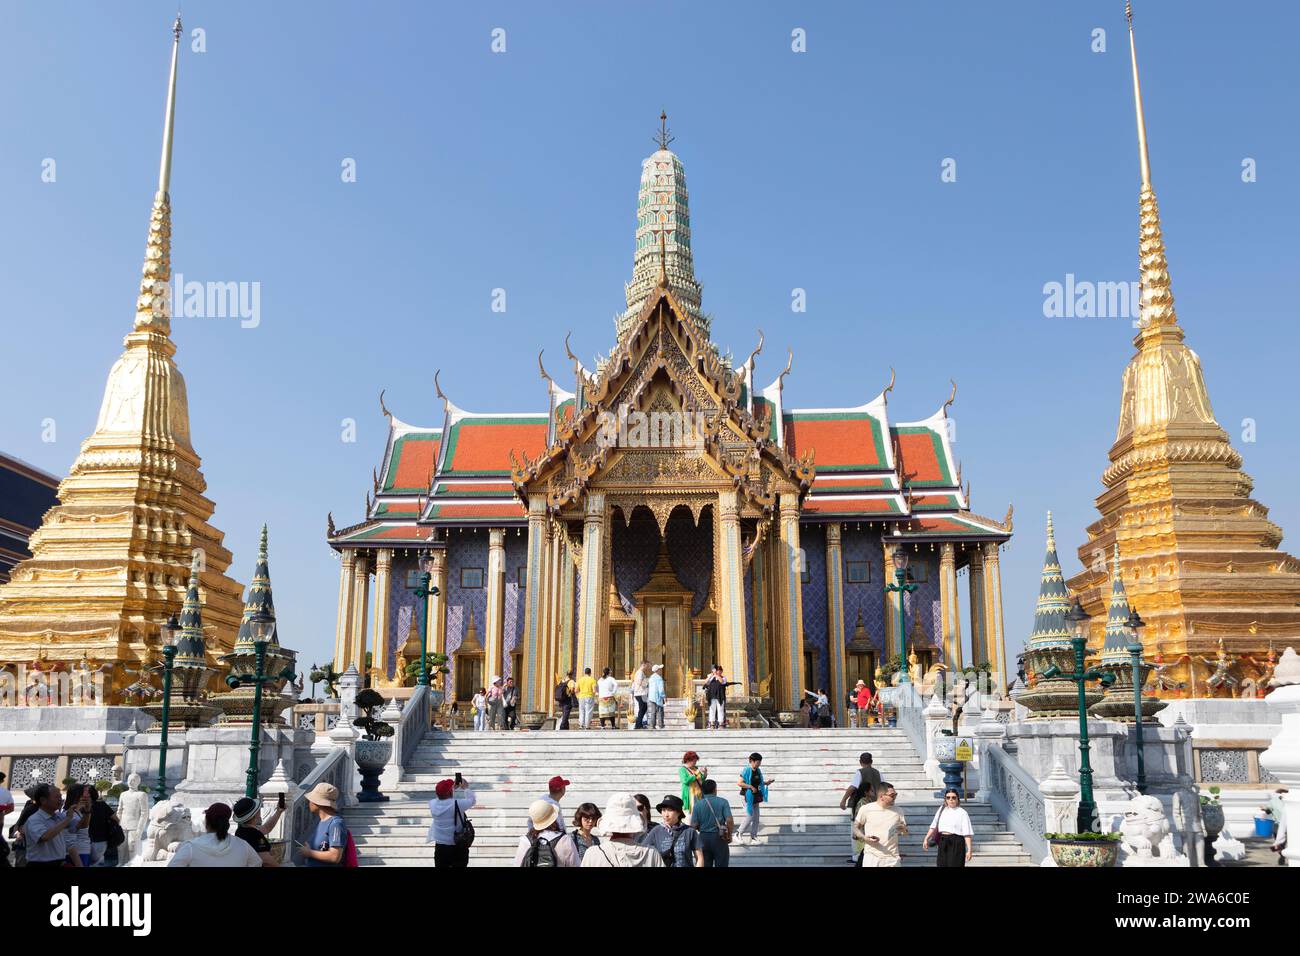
621	825
330	839
655	700
543	843
496	706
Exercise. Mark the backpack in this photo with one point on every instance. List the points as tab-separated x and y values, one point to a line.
540	853
350	853
465	836
562	692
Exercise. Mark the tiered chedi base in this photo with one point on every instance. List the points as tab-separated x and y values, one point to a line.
1054	697
1118	703
237	705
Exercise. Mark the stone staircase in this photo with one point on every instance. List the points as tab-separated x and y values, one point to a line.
802	825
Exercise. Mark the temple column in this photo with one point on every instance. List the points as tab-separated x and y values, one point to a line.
978	650
379	640
835	620
568	589
360	612
994	640
436	641
494	626
731	618
949	607
343	622
535	608
554	570
789	647
758	586
891	609
591	614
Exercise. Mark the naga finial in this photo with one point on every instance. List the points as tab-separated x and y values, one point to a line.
1006	522
329	524
542	368
437	387
951	398
758	348
789	364
382	407
890	387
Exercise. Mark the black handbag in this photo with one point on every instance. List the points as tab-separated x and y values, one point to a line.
116	835
465	836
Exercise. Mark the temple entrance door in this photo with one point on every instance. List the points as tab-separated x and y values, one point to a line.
667	638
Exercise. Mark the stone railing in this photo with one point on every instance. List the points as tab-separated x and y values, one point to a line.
336	768
1015	795
413	725
907	704
320	717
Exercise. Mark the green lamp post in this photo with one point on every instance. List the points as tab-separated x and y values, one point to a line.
1078	618
263	627
902	587
418	583
1135	625
169	630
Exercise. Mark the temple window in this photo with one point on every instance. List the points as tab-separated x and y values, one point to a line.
471	577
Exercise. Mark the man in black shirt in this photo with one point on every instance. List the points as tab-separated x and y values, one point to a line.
250	828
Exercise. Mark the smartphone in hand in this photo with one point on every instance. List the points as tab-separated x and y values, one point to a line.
280	800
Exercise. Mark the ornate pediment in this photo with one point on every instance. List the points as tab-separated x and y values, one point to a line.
664	407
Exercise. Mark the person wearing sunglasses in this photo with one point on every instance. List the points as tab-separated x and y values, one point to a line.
951	832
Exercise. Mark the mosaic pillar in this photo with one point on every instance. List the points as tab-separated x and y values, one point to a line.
555	552
978	648
436	641
343	625
891	608
590	614
758	593
379	634
731	619
534	645
994	641
790	640
949	607
835	620
360	611
568	586
494	634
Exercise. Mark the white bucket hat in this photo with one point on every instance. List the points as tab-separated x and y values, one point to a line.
542	813
324	795
621	815
657	667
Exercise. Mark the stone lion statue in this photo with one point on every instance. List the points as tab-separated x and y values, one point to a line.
1145	834
169	827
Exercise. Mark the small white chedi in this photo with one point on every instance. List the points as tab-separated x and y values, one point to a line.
1146	836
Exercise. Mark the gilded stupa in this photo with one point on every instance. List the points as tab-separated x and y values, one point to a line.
111	560
1198	556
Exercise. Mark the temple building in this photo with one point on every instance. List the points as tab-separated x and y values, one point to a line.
110	561
667	508
26	493
1198	557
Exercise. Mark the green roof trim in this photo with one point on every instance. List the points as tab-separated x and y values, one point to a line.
395	458
947	480
877	437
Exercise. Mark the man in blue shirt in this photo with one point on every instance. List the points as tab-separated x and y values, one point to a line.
711	815
655	703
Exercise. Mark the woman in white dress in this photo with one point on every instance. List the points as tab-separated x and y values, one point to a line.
951	832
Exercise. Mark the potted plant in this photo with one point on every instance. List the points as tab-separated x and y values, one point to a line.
1211	814
374	748
1092	850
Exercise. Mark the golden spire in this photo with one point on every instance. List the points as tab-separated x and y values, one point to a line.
153	307
1157	308
165	167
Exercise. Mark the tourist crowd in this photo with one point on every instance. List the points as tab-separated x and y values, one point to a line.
696	826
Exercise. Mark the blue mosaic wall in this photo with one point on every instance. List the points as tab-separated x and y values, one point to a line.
862	543
465	549
516	609
812	538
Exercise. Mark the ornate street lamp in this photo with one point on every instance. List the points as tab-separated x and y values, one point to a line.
418	583
1135	625
262	624
1078	619
903	587
170	632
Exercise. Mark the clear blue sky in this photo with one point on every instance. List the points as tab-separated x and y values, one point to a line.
476	170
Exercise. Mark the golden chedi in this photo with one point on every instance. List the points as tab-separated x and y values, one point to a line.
110	562
1198	556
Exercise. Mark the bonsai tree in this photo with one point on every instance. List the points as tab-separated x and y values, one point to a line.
326	675
372	727
435	665
894	666
1212	799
